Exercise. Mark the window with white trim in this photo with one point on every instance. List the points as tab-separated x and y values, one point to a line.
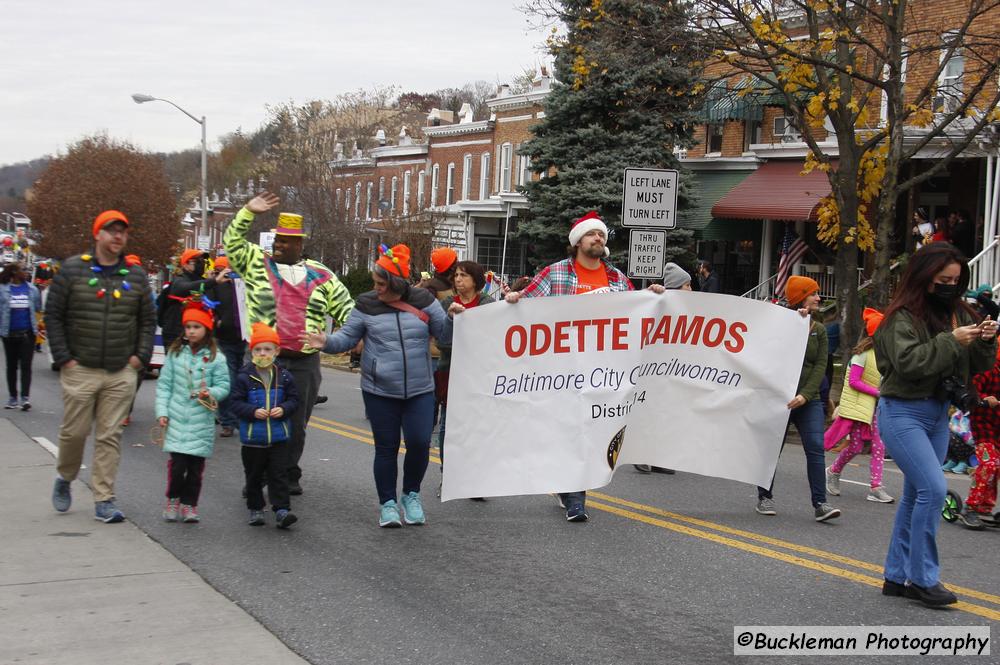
883	111
347	201
466	177
421	188
381	194
484	177
523	170
506	155
449	192
435	178
406	192
950	82
357	199
392	193
338	199
368	200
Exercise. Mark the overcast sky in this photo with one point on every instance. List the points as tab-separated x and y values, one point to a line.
69	67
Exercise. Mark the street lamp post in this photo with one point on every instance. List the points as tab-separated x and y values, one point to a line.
142	99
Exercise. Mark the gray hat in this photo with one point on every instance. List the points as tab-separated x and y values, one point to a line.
674	277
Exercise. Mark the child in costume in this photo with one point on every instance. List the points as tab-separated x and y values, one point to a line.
857	415
985	420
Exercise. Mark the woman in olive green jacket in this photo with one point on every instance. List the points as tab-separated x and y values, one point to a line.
928	346
806	408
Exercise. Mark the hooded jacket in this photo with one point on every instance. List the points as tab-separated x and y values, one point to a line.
191	429
396	361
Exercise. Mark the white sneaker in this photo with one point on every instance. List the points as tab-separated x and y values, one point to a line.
832	482
879	495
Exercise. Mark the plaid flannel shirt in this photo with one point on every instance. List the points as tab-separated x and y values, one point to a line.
559	279
984	420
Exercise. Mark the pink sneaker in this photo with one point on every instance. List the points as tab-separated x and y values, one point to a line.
171	509
189	513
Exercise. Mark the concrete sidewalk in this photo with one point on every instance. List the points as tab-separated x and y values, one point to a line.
76	591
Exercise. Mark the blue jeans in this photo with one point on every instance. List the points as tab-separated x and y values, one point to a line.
915	433
388	415
234	352
809	421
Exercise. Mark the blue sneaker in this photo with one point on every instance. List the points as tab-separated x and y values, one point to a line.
413	510
389	515
961	467
284	518
256	518
576	513
949	465
61	498
11	403
107	512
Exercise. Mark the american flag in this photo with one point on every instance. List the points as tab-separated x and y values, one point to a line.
792	251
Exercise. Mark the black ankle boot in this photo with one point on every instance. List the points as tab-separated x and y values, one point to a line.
890	588
934	596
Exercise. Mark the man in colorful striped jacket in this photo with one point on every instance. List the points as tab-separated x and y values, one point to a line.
292	295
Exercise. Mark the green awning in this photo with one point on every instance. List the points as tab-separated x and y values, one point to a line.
731	229
710	187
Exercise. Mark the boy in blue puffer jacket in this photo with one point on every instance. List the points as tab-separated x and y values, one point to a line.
263	398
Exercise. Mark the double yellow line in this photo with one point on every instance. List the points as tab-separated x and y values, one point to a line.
747	541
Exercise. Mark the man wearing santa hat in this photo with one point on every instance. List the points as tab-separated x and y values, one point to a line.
585	272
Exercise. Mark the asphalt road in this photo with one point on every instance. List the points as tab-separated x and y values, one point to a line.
665	568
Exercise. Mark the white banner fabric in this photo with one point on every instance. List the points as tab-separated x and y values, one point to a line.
552	394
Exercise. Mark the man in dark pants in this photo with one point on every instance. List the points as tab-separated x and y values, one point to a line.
292	295
585	272
228	335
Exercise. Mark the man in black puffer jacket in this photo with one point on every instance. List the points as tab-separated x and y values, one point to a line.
100	321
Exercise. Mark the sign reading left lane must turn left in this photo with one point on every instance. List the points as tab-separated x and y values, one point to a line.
646	254
649	198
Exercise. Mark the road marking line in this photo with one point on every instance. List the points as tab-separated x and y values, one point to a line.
340	425
876	582
795	547
750	535
48	445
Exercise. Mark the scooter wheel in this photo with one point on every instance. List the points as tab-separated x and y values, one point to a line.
952	506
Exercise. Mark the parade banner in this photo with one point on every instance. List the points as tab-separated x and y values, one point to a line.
553	394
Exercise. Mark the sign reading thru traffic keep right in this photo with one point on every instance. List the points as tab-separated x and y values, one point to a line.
646	254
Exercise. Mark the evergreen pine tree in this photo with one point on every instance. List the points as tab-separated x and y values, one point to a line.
626	97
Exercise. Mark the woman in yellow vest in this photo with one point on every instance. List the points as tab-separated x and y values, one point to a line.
857	414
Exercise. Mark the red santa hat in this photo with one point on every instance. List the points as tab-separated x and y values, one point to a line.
585	225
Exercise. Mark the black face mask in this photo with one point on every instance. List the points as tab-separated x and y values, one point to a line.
944	295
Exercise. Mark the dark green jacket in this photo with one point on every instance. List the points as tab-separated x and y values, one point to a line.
814	363
99	332
913	363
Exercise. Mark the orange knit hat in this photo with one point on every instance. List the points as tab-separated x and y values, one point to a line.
873	318
197	313
396	261
443	258
106	218
798	287
222	262
261	332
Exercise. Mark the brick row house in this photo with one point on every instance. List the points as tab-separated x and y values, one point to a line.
460	184
750	153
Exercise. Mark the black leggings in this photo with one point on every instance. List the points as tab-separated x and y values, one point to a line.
20	351
184	473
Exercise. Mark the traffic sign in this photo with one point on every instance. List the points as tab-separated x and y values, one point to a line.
646	254
649	198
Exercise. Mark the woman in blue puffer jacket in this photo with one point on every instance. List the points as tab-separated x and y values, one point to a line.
396	322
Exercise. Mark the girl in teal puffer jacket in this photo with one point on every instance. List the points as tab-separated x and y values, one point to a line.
193	380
